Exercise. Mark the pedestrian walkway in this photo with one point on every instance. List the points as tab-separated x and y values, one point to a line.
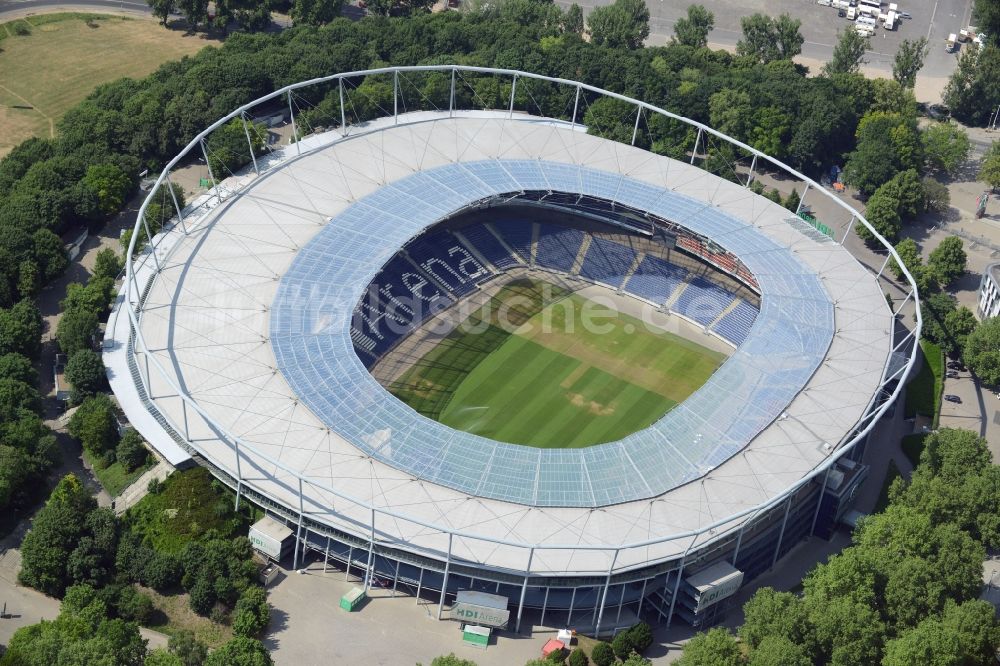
140	487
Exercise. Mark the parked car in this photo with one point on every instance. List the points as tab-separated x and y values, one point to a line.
955	365
953	398
951	374
905	15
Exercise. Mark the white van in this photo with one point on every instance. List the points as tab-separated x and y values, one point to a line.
890	21
864	30
867	21
852	13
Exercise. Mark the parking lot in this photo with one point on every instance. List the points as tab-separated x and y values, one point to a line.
934	19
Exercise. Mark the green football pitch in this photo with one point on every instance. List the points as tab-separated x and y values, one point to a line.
525	369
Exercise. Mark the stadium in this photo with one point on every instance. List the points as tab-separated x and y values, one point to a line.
384	334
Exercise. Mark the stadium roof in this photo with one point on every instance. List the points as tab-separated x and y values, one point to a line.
311	339
216	314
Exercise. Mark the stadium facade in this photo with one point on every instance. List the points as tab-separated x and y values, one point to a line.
244	333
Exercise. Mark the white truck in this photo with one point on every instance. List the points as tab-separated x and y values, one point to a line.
890	21
852	13
951	44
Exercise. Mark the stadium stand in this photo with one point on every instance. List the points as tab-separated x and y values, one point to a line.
557	247
607	262
480	239
442	257
397	301
702	301
734	326
655	279
516	232
402	297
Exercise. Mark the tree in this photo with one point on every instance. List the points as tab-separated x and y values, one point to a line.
241	651
954	483
603	654
162	9
195	12
191	651
315	12
572	21
909	253
986	14
49	253
642	636
85	371
766	39
772	613
228	151
451	660
947	260
909	60
28	279
946	146
95	425
131	451
982	351
55	532
887	144
692	30
18	367
76	329
937	199
107	263
973	91
622	24
16	398
848	54
21	329
160	657
715	647
110	185
989	170
622	645
882	212
578	658
252	612
779	651
793	201
846	632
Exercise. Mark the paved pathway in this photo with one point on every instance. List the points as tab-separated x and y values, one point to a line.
140	487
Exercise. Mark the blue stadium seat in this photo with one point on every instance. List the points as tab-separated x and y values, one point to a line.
557	247
735	325
607	262
655	279
485	243
398	300
447	261
516	232
702	301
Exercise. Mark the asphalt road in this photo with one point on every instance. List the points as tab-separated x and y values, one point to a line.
7	6
934	19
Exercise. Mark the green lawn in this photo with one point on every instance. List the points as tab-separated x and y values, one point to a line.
114	478
550	382
65	56
923	394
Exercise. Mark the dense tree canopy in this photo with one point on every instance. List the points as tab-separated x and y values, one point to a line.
766	38
973	91
946	146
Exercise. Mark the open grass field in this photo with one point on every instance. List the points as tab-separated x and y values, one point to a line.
63	57
550	381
